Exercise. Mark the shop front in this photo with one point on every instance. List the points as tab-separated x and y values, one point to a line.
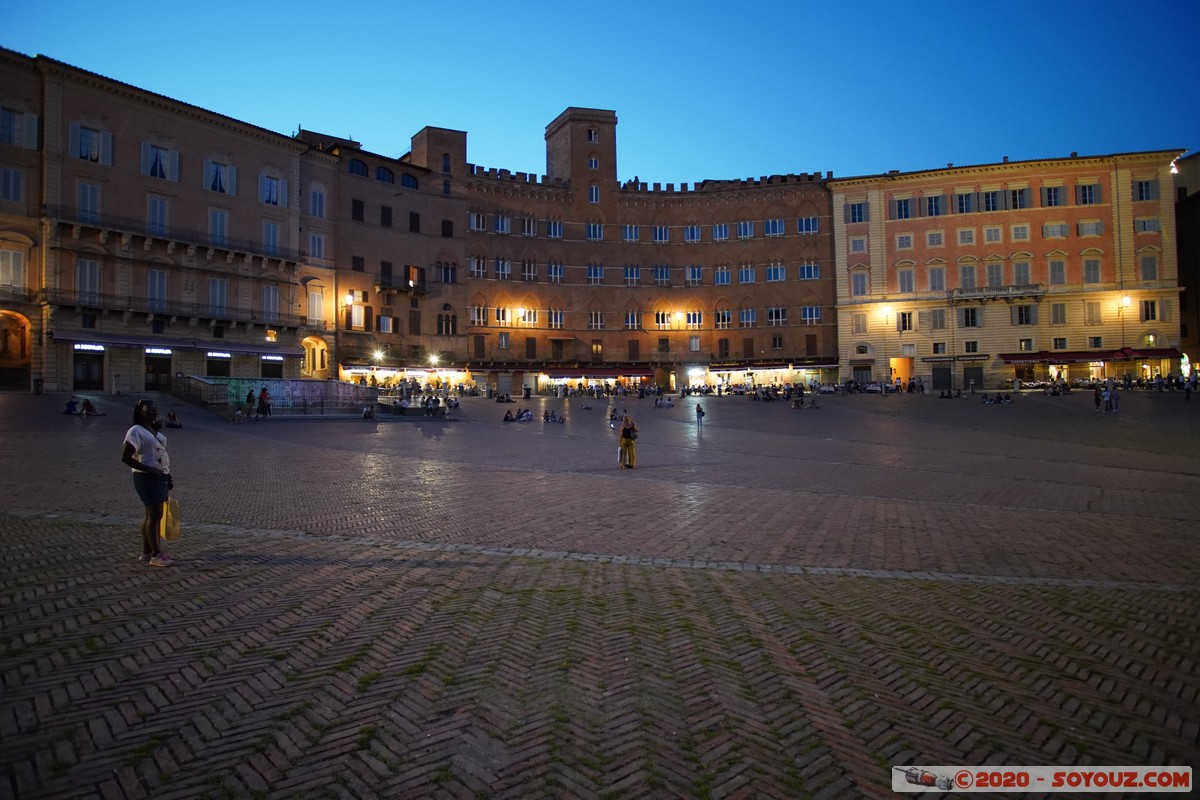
1130	365
158	369
562	381
746	376
133	363
942	371
87	367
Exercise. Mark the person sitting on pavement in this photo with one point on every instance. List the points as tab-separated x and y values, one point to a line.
508	416
173	420
89	409
72	407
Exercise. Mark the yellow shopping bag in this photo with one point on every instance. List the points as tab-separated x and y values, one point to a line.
169	526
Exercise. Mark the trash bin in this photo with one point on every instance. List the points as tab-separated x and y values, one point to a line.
491	395
37	385
527	390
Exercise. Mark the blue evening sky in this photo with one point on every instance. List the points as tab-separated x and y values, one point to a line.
702	89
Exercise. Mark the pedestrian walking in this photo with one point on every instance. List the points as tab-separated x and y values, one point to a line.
264	403
699	416
145	452
249	403
627	456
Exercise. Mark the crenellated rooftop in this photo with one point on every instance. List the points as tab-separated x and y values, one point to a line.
707	185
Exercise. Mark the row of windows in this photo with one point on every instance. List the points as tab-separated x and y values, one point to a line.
1021	274
504	342
90	144
1024	345
936	205
935	319
502	224
994	234
633	274
358	213
158	219
87	286
722	318
384	174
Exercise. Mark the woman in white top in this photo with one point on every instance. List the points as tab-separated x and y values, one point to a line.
145	452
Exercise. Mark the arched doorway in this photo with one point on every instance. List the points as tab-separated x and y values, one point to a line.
15	351
316	357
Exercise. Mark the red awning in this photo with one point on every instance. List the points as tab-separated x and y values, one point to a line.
1061	357
1147	352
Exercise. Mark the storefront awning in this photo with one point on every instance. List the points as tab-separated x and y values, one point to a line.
1056	357
1147	352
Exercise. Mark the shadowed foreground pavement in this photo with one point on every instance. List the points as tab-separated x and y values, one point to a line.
784	604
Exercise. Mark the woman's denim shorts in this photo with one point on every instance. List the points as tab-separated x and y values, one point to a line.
151	488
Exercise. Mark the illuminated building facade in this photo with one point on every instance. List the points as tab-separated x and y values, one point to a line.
1028	271
144	240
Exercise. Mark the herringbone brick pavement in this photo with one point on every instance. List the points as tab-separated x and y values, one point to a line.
785	604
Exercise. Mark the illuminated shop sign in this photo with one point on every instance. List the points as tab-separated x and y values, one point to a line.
95	348
213	354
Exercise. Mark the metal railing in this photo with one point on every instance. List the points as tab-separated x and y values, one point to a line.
18	293
289	396
167	308
997	292
169	233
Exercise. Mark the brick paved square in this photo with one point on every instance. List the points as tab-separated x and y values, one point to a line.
784	604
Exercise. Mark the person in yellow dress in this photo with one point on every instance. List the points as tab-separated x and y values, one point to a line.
628	454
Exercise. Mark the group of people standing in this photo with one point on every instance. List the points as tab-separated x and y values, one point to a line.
260	406
1107	399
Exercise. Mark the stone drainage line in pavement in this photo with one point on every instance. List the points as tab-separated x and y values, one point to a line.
636	561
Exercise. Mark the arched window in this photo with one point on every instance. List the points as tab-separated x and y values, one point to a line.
408	181
447	322
357	167
384	174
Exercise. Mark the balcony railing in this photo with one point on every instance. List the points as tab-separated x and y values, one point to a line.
165	308
126	226
997	292
396	284
17	293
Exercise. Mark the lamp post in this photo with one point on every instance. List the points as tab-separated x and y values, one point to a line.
1122	310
